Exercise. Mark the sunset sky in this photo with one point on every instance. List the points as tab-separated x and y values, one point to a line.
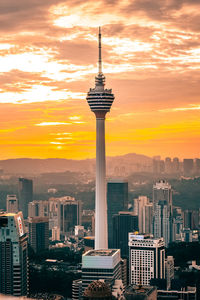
48	61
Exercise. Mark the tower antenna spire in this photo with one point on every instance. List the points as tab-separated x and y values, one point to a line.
100	59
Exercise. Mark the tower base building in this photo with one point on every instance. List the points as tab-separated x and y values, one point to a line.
101	264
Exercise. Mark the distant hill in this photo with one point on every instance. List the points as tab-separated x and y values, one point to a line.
50	165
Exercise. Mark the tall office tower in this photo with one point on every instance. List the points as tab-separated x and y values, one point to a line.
162	211
191	219
158	166
148	218
177	227
12	204
144	214
38	208
101	264
117	200
123	223
38	228
146	259
64	213
168	165
188	166
25	190
100	101
176	165
69	214
13	255
177	223
169	270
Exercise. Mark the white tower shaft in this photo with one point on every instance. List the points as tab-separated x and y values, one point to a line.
100	101
101	234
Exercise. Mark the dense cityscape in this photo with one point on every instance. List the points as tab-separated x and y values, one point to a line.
133	243
99	160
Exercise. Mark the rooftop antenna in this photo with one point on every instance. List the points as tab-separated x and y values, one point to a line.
100	61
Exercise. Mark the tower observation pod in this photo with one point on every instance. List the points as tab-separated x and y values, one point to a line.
100	101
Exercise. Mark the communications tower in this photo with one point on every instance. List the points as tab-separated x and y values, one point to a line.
100	101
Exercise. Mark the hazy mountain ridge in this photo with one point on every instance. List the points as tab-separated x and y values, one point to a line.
37	166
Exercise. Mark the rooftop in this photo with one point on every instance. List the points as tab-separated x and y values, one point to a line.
139	290
109	252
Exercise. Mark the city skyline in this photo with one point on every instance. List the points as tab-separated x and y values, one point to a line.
151	60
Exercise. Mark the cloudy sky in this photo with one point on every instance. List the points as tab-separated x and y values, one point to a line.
48	61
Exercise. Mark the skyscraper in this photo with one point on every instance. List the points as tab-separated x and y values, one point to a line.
100	101
162	211
25	195
13	255
38	228
117	200
12	204
146	258
123	223
143	209
38	208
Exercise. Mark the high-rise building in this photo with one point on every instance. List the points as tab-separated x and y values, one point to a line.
100	101
175	165
12	204
168	165
117	200
13	255
162	211
143	208
148	218
101	264
25	191
38	208
177	223
123	223
188	166
146	259
191	219
38	228
169	270
69	214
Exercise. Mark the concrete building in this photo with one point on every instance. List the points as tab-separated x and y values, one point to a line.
69	214
25	193
146	259
123	223
101	264
143	208
117	200
38	228
13	255
169	271
38	208
12	205
162	211
188	166
100	101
